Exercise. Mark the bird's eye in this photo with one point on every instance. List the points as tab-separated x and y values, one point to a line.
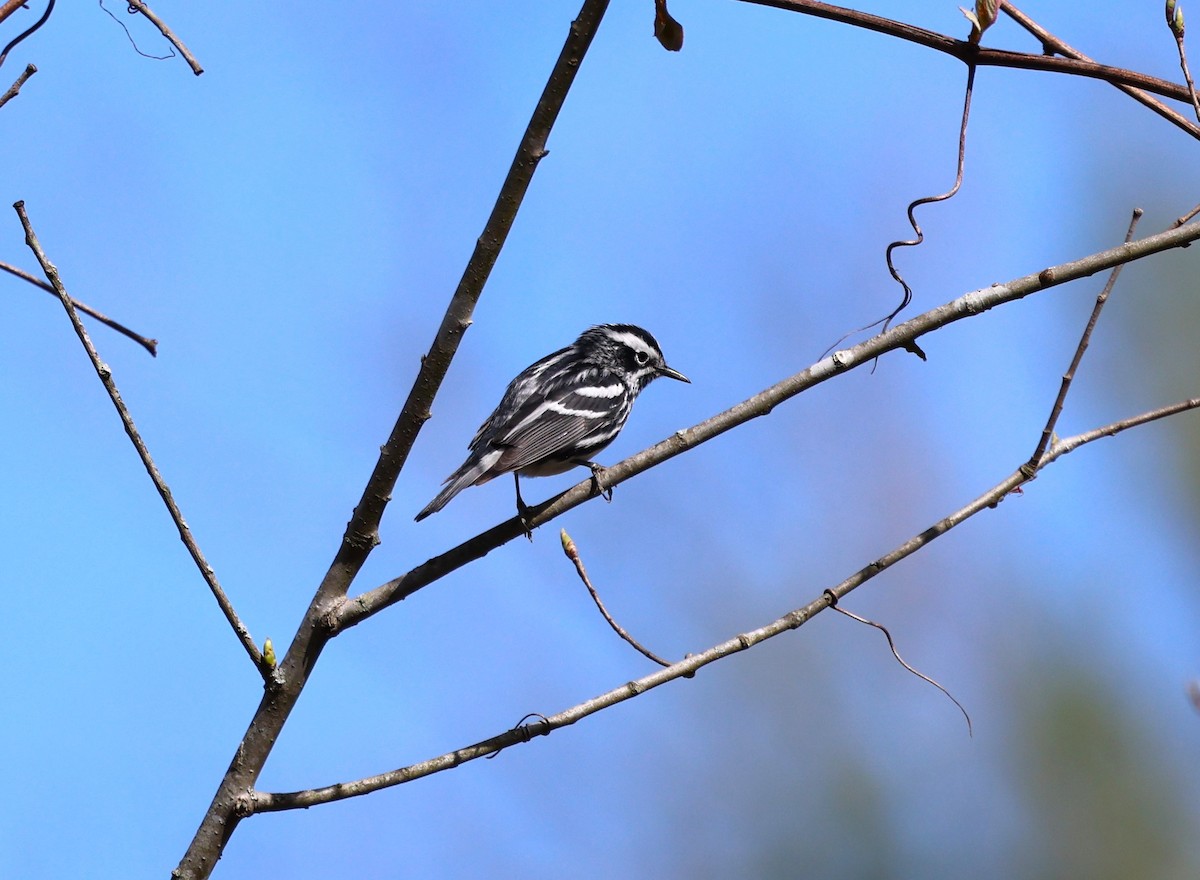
642	358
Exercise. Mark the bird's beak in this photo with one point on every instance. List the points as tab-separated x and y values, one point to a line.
674	374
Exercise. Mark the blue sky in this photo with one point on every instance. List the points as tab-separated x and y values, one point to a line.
290	226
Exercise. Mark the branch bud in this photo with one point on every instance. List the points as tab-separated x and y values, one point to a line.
985	15
568	545
1175	18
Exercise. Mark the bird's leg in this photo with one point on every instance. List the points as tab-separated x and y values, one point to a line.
597	470
522	508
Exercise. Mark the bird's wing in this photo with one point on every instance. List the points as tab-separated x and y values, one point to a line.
518	396
563	420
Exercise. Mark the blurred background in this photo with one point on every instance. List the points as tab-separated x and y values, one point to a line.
290	226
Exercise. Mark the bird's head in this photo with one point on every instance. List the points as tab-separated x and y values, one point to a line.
628	350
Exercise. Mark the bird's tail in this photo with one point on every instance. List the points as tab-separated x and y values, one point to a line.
471	472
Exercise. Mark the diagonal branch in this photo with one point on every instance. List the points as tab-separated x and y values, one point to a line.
968	52
262	802
361	535
9	7
15	88
1080	349
139	6
1053	43
1061	447
572	552
105	374
362	532
354	610
151	345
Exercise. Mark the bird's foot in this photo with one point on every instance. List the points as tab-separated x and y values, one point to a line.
522	510
598	471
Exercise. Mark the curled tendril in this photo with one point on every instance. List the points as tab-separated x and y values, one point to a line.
37	24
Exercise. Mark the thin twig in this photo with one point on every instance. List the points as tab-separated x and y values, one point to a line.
254	801
139	6
1176	24
891	644
171	53
355	610
1055	44
1070	444
984	57
105	374
1179	221
362	533
29	71
151	345
1069	375
572	552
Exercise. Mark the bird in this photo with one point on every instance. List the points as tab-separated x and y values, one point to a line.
561	410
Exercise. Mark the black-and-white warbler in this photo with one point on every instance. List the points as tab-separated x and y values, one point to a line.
559	412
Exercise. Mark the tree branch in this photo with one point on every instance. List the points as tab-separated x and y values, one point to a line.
151	345
572	552
262	802
330	612
1061	447
105	374
966	52
1069	376
361	535
9	7
15	88
139	6
354	610
1053	43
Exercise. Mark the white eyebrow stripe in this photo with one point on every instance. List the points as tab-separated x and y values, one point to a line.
633	341
600	390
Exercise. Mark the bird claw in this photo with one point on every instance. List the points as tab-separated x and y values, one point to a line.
597	471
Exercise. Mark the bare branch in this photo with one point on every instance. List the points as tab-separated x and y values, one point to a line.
151	345
1069	375
1053	43
1070	444
1179	221
1175	23
15	88
572	552
259	802
145	10
9	7
105	374
361	535
967	53
354	610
